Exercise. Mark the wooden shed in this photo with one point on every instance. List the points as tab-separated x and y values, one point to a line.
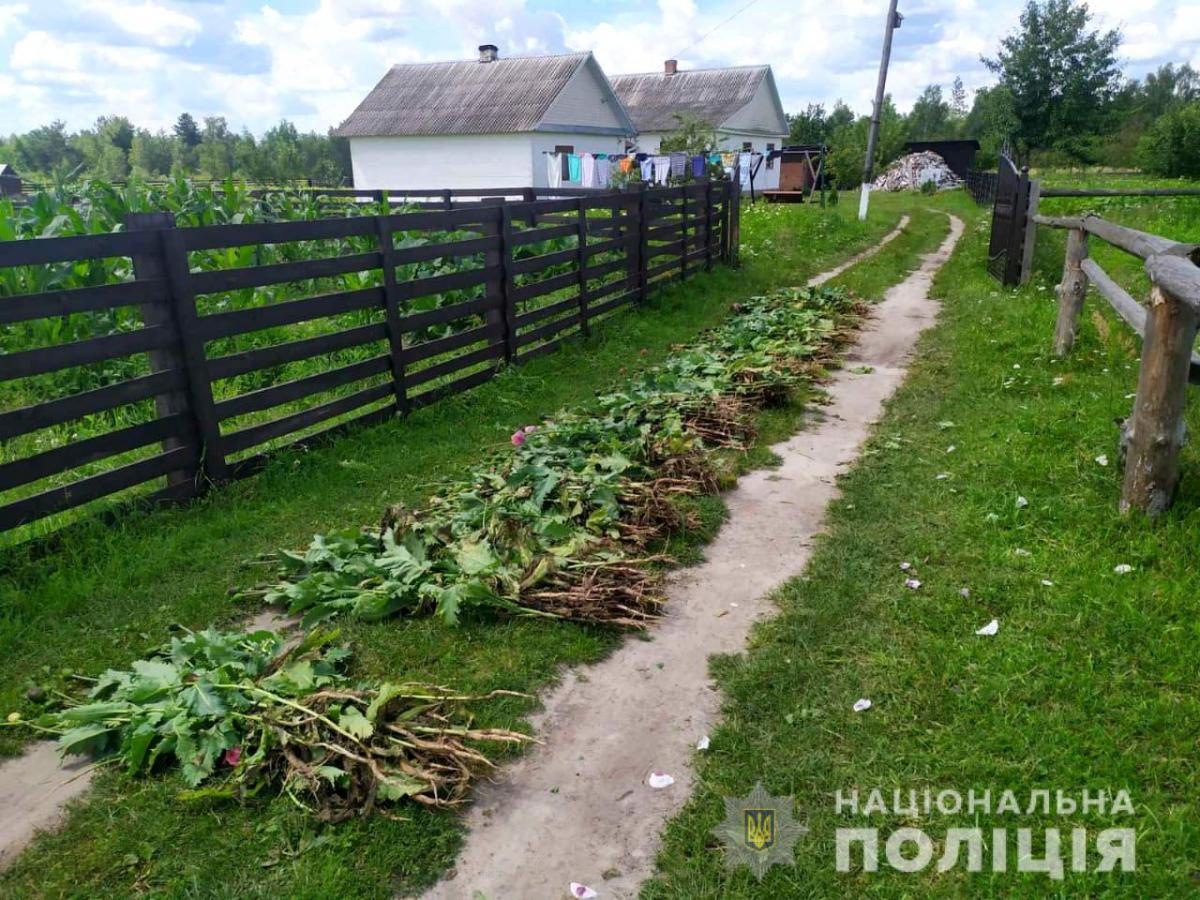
10	181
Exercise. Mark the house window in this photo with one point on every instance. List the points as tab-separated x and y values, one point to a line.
770	162
747	146
564	149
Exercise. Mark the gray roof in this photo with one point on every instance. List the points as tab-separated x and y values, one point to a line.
463	97
654	99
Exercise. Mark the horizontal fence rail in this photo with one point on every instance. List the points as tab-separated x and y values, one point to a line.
1153	434
205	350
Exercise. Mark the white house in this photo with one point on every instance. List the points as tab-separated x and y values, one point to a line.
485	123
741	103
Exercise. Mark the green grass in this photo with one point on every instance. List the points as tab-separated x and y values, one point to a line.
108	596
1091	681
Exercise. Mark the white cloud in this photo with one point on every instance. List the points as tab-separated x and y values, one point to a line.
161	26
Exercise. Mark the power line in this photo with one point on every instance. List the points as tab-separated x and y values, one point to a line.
714	28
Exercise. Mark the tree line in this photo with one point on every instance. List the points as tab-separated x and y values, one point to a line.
115	150
1060	99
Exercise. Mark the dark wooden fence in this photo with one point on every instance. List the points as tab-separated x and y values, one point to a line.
410	345
981	186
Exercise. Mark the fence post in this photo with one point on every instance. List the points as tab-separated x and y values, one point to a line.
183	303
153	267
708	225
387	251
1071	292
584	327
735	219
506	312
643	244
1035	197
683	223
447	199
1155	432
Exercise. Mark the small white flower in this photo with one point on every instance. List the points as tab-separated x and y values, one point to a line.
1046	582
989	629
1102	460
1016	365
862	705
1022	503
992	517
702	744
660	780
905	566
942	476
1021	551
951	449
582	891
1058	380
912	584
964	592
1123	569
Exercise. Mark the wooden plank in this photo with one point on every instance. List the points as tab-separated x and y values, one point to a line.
594	272
446	367
537	235
51	304
414	321
544	312
1141	244
259	434
249	465
1125	306
535	263
451	220
1177	276
54	412
299	388
1030	240
664	233
440	284
394	330
41	251
80	453
427	349
662	269
612	287
624	243
211	237
407	255
81	353
600	309
547	330
505	285
274	315
221	280
1121	192
453	387
69	496
292	351
545	286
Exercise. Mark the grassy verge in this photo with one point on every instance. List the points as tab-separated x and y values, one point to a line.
1090	682
133	836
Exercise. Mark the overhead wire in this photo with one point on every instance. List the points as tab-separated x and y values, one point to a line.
719	25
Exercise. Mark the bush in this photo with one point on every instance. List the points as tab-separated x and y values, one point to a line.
929	187
1171	147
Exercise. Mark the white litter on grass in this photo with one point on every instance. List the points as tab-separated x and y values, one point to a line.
942	476
1123	569
912	584
582	891
989	629
702	744
1022	503
1046	582
1058	380
660	780
951	449
964	592
905	566
862	704
1102	460
1021	551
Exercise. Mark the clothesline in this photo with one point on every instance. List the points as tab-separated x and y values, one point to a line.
594	170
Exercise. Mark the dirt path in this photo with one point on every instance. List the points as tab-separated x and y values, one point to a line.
579	807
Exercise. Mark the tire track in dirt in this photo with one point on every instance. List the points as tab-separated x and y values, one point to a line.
578	808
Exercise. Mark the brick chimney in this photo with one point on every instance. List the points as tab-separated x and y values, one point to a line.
488	53
670	67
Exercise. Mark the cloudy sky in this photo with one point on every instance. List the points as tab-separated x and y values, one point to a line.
311	61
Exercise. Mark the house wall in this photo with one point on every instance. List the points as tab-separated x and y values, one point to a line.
583	101
442	161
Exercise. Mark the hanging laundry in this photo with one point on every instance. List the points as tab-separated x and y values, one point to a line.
648	169
589	170
678	163
729	159
744	162
603	171
698	166
626	164
714	158
574	167
554	169
662	169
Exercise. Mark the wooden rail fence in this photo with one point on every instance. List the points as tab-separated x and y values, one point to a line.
411	340
1154	432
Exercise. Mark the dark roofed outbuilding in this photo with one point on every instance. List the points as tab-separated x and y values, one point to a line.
958	154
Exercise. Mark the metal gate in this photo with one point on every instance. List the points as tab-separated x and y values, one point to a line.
1009	219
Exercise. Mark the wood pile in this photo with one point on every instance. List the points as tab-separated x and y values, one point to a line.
910	172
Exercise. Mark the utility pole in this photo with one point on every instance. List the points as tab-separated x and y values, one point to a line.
893	22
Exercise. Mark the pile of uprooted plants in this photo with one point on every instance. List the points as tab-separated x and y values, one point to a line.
569	524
